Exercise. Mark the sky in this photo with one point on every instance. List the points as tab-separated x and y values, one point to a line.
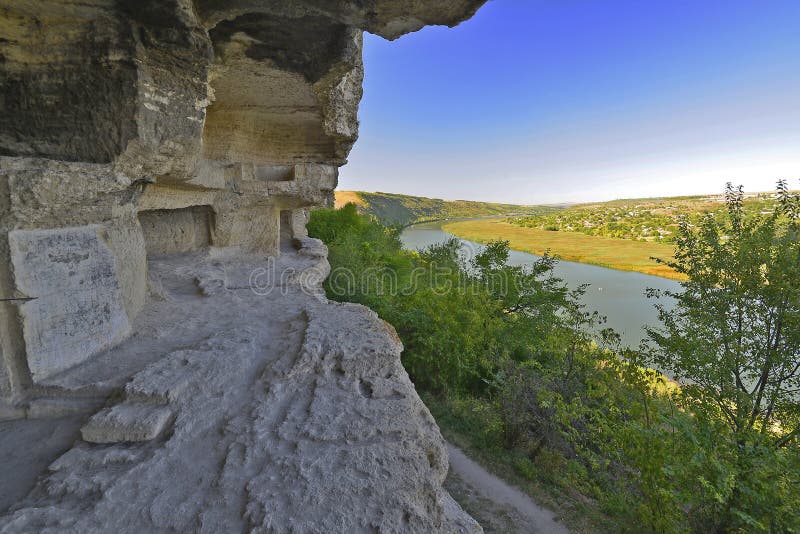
546	101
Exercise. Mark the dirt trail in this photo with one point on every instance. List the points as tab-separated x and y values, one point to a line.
496	505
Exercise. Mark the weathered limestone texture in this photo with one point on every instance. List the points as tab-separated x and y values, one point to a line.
158	163
76	309
267	408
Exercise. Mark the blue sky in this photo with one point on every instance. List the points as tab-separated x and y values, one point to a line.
536	101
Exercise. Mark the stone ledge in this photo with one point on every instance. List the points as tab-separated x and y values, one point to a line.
126	423
273	402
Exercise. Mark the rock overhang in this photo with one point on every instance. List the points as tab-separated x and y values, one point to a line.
136	129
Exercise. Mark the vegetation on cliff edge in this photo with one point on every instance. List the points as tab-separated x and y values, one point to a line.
514	364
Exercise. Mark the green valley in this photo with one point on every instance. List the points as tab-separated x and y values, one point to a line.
619	234
641	219
614	253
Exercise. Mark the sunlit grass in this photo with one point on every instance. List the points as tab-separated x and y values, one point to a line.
621	254
348	197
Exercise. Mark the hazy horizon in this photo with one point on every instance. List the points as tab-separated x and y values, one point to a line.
718	193
538	102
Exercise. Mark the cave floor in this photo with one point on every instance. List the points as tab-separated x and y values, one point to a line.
173	317
27	447
243	400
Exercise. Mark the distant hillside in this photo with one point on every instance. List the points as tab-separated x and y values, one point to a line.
641	219
394	209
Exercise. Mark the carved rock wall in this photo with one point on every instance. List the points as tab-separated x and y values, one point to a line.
115	111
135	132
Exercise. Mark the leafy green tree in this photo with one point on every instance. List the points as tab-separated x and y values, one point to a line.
516	350
733	341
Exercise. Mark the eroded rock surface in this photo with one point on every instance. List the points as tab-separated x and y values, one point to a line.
158	160
147	127
279	412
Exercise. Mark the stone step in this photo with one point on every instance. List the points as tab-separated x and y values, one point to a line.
127	422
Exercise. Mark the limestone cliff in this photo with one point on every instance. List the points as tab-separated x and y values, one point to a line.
155	156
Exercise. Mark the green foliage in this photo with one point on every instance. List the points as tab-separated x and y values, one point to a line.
514	361
459	323
733	340
361	246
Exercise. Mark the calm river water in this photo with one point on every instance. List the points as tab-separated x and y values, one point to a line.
619	295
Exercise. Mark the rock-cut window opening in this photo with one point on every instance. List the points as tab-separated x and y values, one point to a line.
170	231
286	231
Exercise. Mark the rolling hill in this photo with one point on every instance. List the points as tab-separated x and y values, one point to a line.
394	209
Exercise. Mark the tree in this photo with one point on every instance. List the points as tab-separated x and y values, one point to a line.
733	341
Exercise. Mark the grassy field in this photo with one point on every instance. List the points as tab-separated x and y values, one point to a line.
622	254
347	197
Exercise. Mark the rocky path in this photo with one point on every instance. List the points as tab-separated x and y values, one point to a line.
496	505
240	406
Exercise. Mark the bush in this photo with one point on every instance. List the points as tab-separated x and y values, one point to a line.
516	363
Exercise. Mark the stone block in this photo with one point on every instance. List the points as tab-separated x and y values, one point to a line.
298	220
160	383
77	308
127	423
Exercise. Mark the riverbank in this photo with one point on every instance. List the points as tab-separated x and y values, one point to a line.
619	254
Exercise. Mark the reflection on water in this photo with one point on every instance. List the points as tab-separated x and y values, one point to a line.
619	295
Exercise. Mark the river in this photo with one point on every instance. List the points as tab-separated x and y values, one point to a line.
618	295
